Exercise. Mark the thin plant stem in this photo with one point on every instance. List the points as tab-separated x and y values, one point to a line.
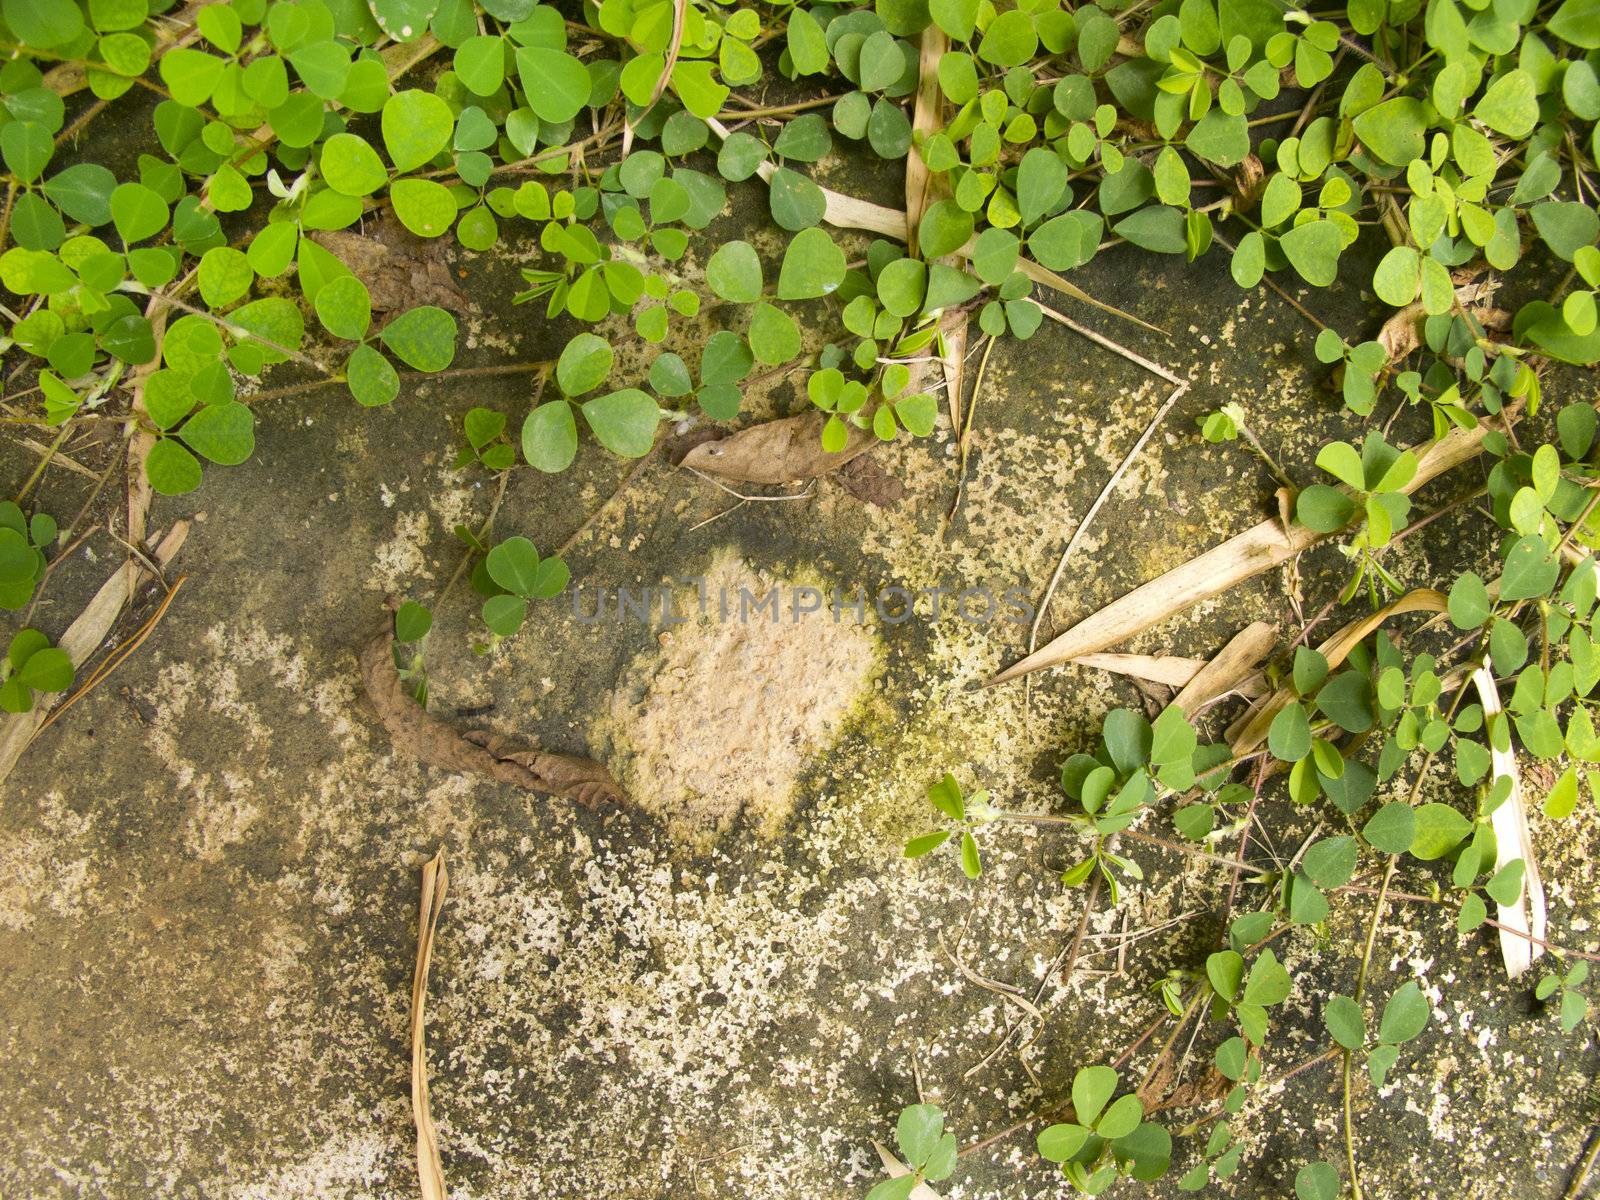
117	657
1349	1055
1580	1173
964	434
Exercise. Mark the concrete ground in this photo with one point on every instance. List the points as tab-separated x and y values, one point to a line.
209	868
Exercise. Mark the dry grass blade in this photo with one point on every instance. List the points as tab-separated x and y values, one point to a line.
1100	339
430	1169
1229	670
1522	924
1258	549
963	435
1004	990
923	187
1094	509
83	638
1051	280
1251	731
116	658
140	439
898	1169
955	358
55	456
679	12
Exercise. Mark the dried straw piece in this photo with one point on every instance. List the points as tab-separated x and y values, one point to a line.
1258	549
430	1169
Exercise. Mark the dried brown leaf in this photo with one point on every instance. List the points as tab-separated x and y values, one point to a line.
1402	332
780	451
400	269
865	479
419	735
1247	181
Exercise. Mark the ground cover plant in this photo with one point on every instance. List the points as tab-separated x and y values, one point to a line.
151	302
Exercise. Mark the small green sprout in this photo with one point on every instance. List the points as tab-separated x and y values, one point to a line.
412	621
512	574
968	812
1107	1138
929	1151
1574	1005
487	443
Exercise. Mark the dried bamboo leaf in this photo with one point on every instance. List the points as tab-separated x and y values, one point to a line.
83	638
1251	730
1260	548
1229	670
1521	941
1167	669
430	1168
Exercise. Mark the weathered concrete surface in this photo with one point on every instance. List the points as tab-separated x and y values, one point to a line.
210	867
